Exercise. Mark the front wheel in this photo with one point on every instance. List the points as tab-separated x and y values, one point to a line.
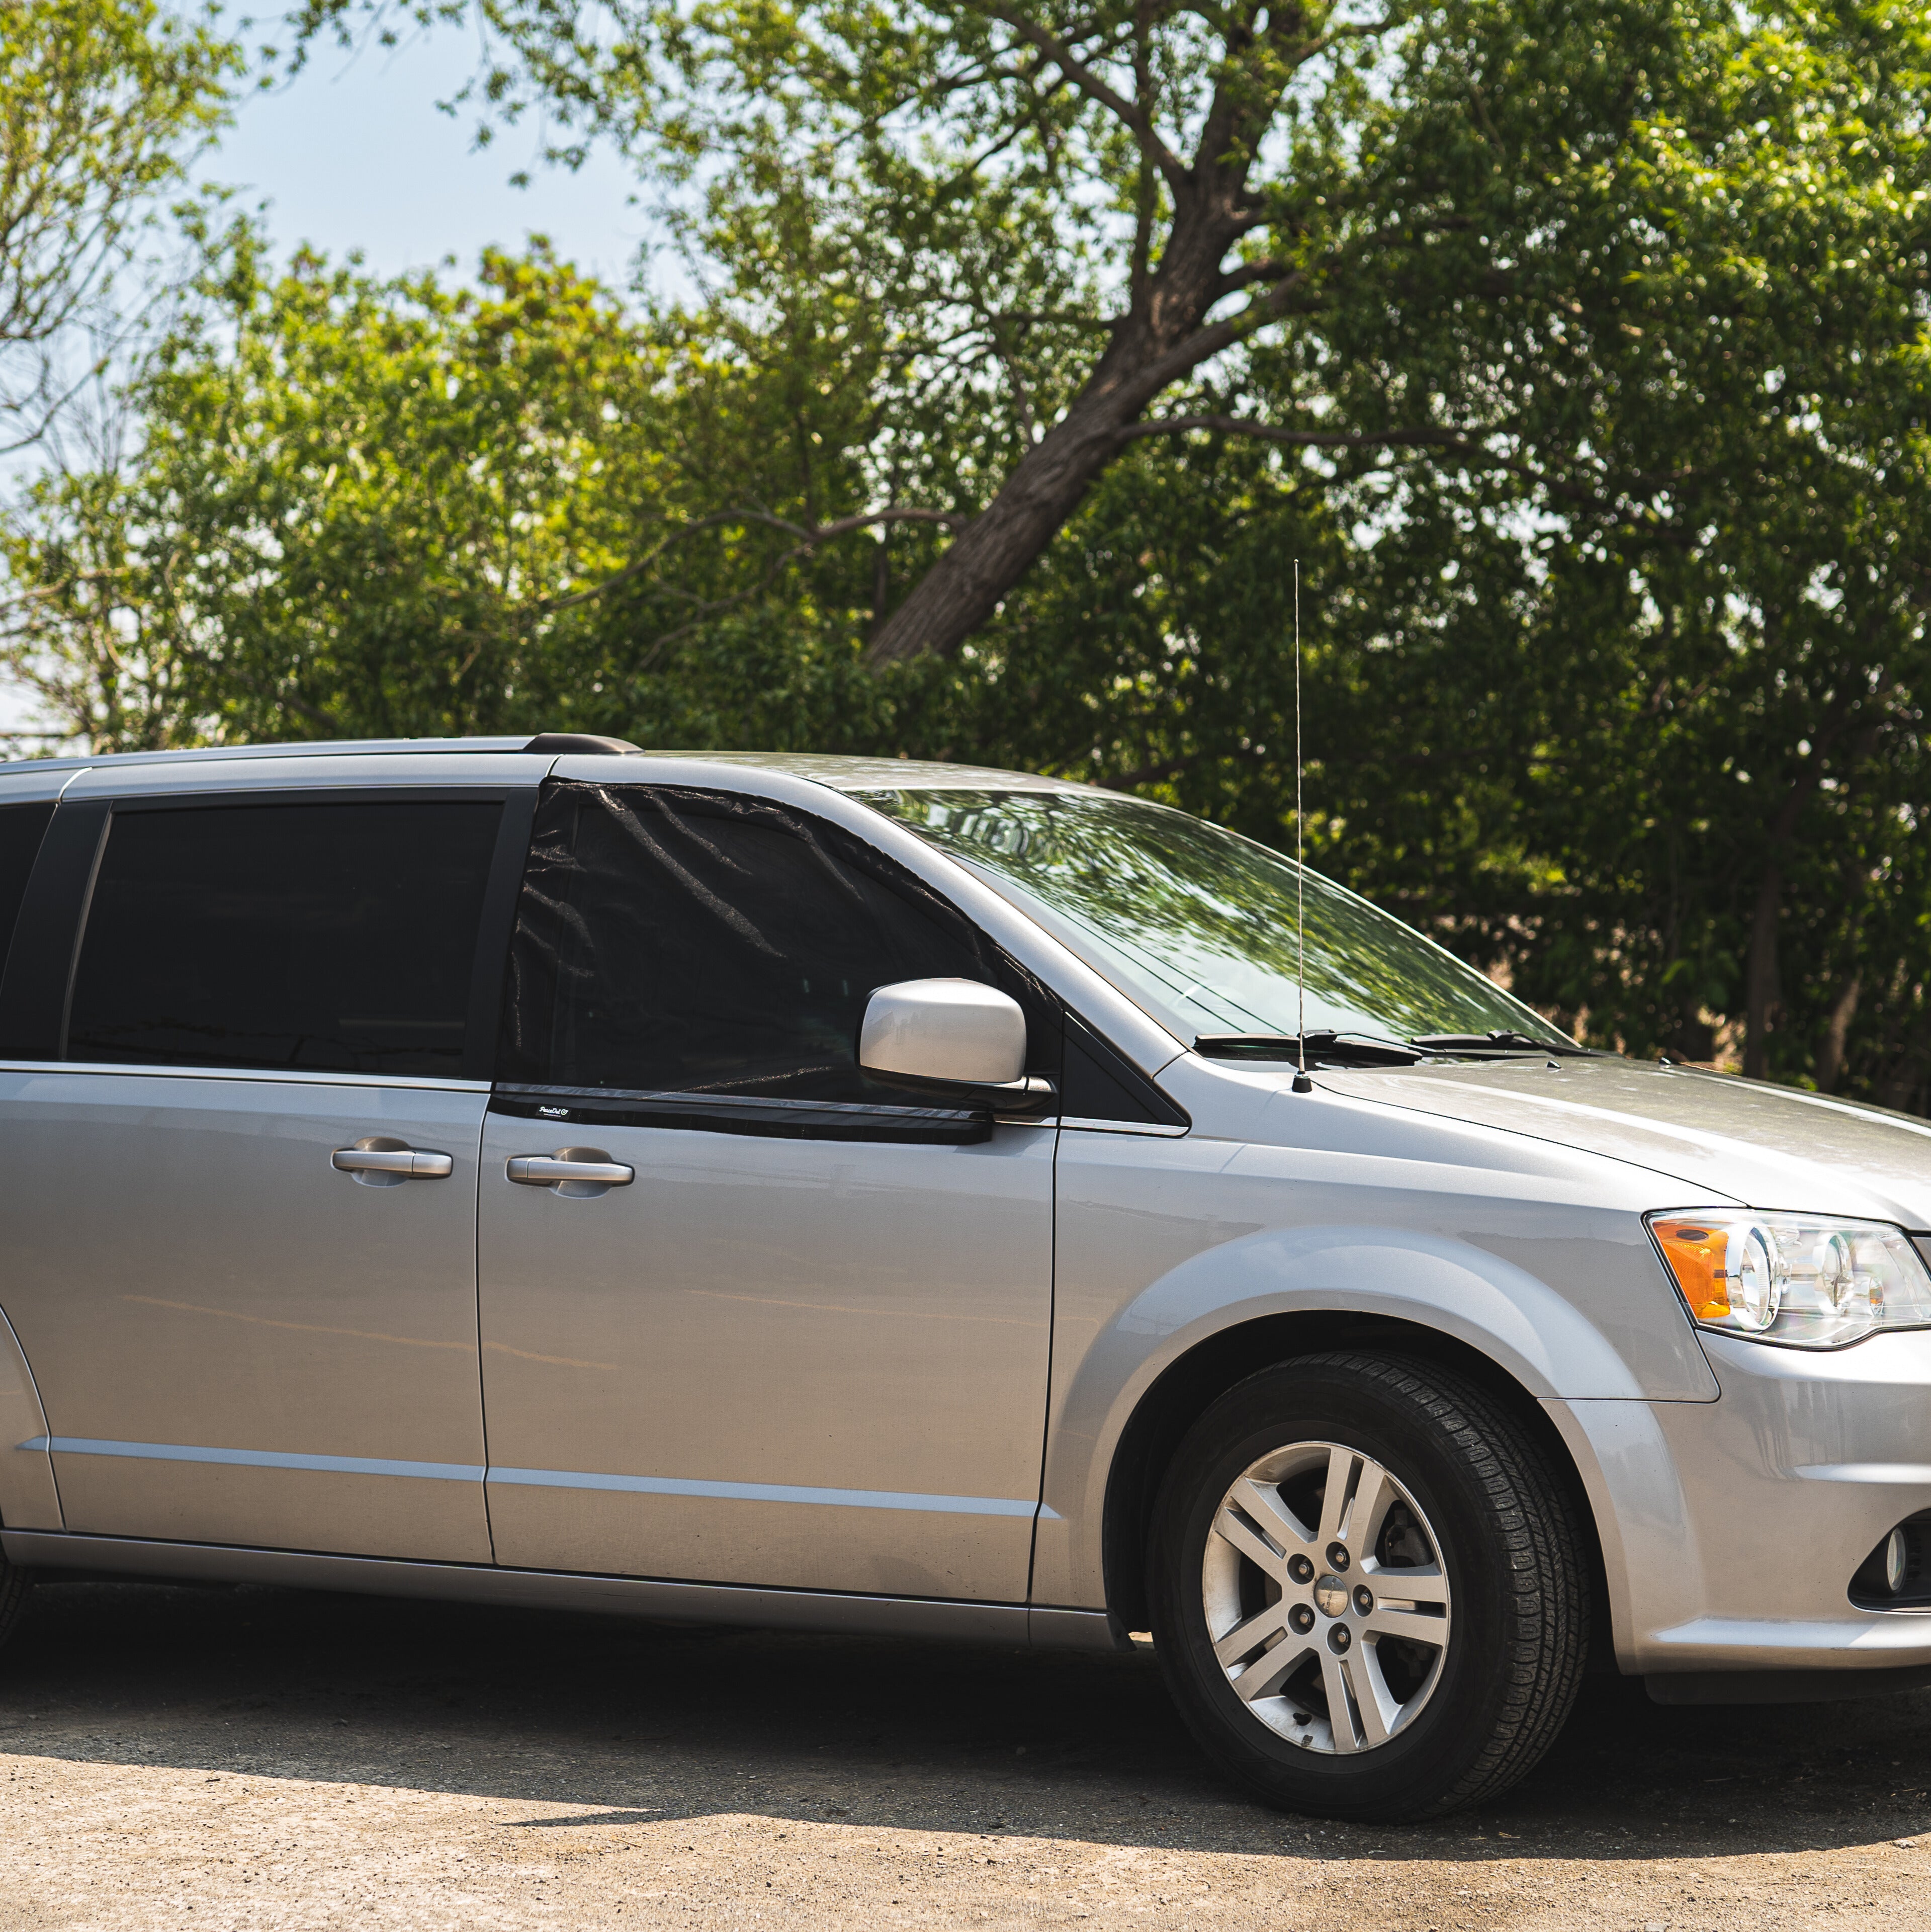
1368	1587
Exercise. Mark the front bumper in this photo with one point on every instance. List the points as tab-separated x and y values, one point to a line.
1730	1529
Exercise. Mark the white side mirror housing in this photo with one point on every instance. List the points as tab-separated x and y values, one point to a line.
951	1032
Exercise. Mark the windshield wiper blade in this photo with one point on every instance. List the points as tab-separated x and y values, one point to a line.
1501	1041
1324	1048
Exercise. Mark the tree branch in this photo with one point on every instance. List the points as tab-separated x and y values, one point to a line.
1130	114
1305	439
1205	343
1272	269
1361	30
1451	441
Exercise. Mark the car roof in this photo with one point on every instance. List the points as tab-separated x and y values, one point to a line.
841	773
860	775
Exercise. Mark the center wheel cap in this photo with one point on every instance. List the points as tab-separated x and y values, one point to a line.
1330	1596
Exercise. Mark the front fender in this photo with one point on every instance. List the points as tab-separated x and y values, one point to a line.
1543	1341
1592	1321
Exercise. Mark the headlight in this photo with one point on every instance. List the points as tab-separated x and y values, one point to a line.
1793	1278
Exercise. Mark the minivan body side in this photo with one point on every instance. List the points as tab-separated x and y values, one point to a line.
190	1273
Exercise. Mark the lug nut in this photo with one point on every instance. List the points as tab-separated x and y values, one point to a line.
1300	1569
1302	1619
1364	1598
1338	1639
1337	1556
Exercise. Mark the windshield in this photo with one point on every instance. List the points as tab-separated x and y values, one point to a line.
1196	924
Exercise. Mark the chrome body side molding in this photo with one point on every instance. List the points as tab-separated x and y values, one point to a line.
766	1492
259	1459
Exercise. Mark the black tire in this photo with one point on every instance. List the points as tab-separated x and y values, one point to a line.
1489	1700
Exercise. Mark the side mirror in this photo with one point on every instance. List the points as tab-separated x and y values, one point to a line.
954	1034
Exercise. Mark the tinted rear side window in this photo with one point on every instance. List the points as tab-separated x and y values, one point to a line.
20	828
671	941
324	937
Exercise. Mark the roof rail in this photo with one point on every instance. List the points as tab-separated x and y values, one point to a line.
561	744
550	744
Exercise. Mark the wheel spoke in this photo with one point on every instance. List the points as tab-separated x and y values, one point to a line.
1262	1678
1262	1502
1334	1499
1248	1635
1380	1709
1229	1528
1420	1584
1340	1712
1373	1495
1416	1626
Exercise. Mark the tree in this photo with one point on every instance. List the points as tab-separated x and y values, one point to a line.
1061	214
353	510
1730	320
1604	454
101	104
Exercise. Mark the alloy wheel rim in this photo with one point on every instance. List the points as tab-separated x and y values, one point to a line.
1326	1599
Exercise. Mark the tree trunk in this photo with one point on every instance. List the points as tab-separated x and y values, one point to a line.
1159	340
1761	982
1830	1054
993	551
1760	975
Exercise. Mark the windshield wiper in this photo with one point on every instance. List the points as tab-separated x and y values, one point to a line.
1501	1041
1327	1048
1324	1048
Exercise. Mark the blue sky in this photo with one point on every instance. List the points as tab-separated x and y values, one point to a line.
352	154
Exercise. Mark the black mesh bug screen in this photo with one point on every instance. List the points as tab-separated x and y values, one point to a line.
674	940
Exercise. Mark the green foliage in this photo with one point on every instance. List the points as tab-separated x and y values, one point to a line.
353	501
1597	425
101	101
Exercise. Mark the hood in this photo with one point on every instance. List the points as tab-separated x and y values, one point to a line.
1721	1137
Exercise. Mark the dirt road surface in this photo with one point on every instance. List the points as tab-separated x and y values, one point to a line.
257	1758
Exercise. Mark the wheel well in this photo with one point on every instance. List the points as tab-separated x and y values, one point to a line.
1184	1390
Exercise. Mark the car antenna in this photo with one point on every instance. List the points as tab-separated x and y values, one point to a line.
1302	1084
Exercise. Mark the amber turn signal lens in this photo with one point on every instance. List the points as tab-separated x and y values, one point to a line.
1695	1250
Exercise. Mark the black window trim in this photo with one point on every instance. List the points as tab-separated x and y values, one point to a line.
767	1117
39	974
8	807
37	992
1163	1114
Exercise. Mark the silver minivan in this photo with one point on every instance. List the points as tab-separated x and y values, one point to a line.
884	1197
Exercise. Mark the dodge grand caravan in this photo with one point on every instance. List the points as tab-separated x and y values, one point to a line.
898	1198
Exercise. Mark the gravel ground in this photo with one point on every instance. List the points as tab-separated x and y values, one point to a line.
267	1759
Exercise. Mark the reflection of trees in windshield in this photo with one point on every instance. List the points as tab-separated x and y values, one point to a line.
1202	923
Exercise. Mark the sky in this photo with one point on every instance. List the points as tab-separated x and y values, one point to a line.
353	155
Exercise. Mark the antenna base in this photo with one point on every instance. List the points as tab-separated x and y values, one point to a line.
1302	1084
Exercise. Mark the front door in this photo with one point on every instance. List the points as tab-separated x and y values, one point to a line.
239	1213
767	1323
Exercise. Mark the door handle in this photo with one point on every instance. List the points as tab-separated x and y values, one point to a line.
404	1163
544	1170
